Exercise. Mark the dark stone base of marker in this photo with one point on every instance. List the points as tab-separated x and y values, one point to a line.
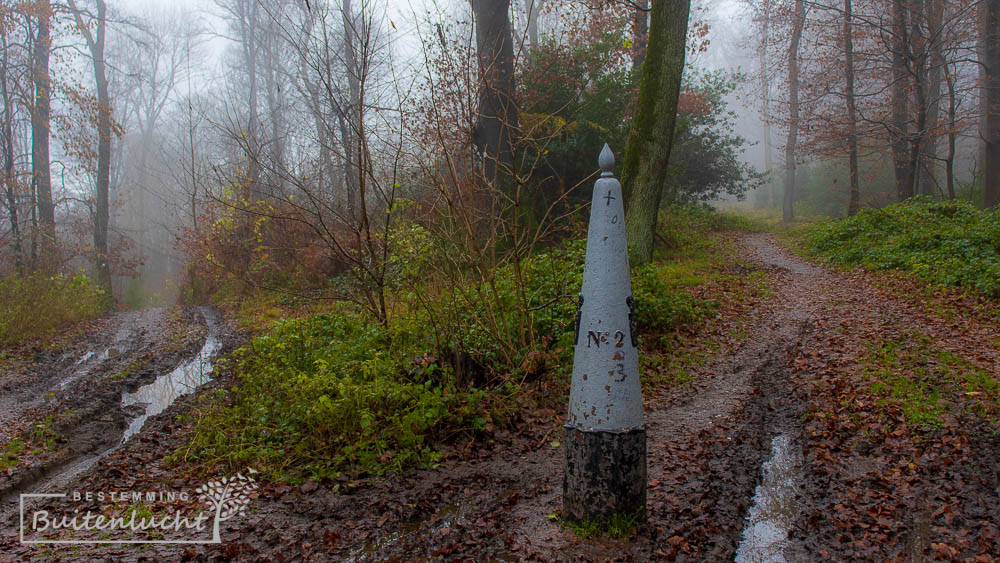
605	474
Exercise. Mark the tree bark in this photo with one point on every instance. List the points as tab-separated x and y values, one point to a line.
95	43
533	8
992	86
650	138
791	145
640	33
854	199
928	164
7	135
40	171
765	85
900	84
949	163
497	119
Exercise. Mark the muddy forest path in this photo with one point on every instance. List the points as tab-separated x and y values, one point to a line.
70	406
789	403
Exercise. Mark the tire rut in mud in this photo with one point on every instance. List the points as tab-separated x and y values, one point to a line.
82	399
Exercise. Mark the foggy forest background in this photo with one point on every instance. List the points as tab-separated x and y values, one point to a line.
287	143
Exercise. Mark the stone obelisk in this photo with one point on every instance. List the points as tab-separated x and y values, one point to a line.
605	441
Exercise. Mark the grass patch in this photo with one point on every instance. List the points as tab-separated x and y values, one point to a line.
619	527
129	370
929	383
10	454
35	305
950	244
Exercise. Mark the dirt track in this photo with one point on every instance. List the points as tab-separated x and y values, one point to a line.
76	393
707	442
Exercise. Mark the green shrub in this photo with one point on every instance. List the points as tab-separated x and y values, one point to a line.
337	393
34	305
945	243
687	226
658	307
333	393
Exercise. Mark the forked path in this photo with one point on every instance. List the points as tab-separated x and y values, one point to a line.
708	442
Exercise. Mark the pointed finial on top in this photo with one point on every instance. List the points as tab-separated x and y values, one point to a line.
606	160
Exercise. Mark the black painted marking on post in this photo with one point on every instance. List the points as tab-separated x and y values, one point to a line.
631	321
595	337
619	338
614	219
579	315
609	197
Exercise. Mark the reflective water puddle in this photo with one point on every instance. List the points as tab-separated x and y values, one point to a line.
773	512
160	394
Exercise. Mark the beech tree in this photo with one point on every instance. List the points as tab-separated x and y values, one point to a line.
493	133
40	119
991	64
95	44
647	151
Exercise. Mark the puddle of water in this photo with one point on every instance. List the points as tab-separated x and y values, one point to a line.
160	394
765	534
85	357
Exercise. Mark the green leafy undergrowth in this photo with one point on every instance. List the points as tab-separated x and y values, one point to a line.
943	243
928	383
337	393
34	305
334	394
686	228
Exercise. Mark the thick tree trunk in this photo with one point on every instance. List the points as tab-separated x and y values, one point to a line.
900	84
992	85
497	119
40	172
791	145
95	43
650	138
854	199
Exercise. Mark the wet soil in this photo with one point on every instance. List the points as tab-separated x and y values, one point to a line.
729	446
65	402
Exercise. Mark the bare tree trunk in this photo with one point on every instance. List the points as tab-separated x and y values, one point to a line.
900	83
7	133
854	200
929	157
791	145
765	85
992	85
981	28
350	121
651	135
95	43
497	113
247	13
640	33
533	8
950	160
40	172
